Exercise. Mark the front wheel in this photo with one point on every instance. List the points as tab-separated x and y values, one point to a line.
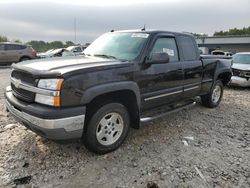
107	129
213	99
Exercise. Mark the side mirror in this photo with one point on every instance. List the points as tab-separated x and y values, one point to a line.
158	58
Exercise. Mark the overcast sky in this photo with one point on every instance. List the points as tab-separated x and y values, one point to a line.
50	20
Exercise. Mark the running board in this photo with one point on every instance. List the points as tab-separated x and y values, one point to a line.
151	118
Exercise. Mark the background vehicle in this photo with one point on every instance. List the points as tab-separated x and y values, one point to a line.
241	69
77	50
124	79
216	57
60	52
15	52
219	52
44	54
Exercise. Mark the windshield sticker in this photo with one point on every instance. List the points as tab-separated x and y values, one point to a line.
140	35
169	51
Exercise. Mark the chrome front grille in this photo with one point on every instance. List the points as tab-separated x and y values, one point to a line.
17	78
24	77
241	73
22	94
247	74
236	72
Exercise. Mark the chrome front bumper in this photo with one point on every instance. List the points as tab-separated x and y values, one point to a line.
55	129
239	81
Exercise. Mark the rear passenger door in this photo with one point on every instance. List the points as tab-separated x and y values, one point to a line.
192	66
14	52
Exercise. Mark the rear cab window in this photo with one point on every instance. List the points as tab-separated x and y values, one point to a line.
188	48
166	45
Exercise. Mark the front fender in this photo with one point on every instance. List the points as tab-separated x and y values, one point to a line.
95	91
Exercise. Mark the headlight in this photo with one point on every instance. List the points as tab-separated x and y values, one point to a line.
49	84
52	84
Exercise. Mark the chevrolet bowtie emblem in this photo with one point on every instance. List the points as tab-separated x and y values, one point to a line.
17	83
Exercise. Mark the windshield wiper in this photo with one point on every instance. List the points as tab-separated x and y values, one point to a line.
106	56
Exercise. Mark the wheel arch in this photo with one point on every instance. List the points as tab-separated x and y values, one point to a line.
24	56
223	71
225	77
126	93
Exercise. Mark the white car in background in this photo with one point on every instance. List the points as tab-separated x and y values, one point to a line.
44	54
77	50
60	52
220	52
241	69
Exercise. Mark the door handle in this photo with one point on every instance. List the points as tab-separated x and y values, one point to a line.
179	70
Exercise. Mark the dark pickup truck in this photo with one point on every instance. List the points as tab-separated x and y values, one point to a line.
123	78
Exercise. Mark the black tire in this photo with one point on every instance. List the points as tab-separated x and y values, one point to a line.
24	59
90	135
207	100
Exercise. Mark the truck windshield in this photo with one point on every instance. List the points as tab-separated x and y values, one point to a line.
122	46
241	58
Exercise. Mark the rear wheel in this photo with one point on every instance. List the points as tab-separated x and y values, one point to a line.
213	99
107	129
24	59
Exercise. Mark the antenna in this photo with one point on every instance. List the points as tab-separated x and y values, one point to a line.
144	28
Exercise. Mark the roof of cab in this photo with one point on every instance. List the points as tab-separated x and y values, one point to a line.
152	31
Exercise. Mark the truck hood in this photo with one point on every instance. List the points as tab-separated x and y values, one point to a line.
241	66
62	65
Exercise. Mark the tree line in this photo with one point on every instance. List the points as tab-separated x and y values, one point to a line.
41	46
234	31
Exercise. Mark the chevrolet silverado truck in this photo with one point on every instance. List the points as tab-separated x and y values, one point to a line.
123	79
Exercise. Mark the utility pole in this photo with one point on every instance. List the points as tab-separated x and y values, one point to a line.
75	28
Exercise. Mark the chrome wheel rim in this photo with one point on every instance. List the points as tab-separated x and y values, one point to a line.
109	128
216	94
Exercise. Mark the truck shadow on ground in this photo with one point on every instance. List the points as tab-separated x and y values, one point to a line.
238	88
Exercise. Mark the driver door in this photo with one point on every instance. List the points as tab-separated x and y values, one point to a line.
162	83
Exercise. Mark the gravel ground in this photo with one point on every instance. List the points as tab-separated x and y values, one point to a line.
197	147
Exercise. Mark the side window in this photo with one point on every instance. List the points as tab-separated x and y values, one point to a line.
166	45
10	47
188	48
15	47
1	47
78	49
22	47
